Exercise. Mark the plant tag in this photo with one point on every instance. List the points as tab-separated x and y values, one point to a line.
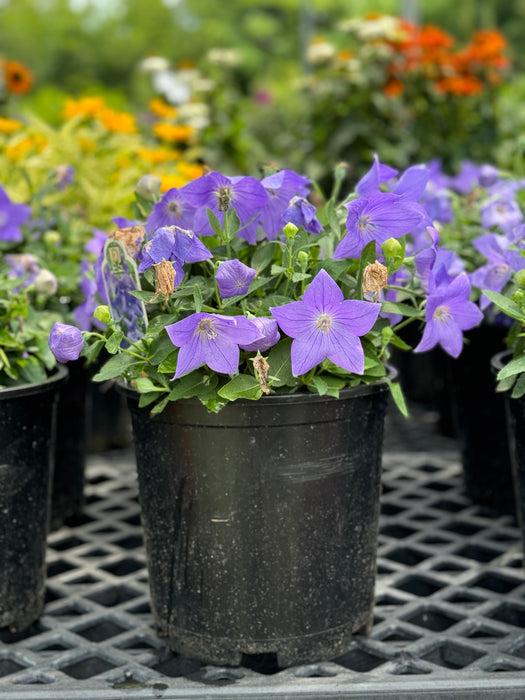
120	277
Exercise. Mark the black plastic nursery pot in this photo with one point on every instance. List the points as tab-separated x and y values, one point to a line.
515	416
479	418
67	498
27	425
261	522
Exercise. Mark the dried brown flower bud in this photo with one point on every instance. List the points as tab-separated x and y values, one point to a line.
164	279
374	278
131	236
262	369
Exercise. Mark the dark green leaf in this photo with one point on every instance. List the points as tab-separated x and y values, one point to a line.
115	367
242	386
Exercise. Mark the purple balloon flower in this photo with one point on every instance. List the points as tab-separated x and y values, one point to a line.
500	265
174	209
502	212
211	339
219	193
379	217
301	213
269	332
174	244
12	217
233	278
448	313
325	325
65	342
379	172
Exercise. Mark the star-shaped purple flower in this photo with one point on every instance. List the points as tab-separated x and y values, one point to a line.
174	209
174	244
325	325
219	193
378	217
211	339
12	217
302	213
233	278
448	313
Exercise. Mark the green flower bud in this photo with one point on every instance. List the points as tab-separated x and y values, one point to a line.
519	278
102	314
392	248
52	238
148	187
290	230
302	257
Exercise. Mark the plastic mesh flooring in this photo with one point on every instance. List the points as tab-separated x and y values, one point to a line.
450	602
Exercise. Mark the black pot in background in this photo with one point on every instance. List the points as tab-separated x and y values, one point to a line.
515	417
261	522
67	498
26	460
479	415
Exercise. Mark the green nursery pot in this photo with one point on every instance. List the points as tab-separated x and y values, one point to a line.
27	423
261	522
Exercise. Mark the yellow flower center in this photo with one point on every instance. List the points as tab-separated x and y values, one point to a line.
442	313
324	322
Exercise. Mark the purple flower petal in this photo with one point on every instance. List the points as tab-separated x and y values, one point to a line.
65	342
233	278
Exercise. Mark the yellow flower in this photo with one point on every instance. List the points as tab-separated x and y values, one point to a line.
162	109
86	145
85	106
169	181
7	126
157	156
120	122
190	171
173	133
20	149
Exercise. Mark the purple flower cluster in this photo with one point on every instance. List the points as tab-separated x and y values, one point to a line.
12	217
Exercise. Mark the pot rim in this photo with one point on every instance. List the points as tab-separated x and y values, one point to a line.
59	375
290	398
500	359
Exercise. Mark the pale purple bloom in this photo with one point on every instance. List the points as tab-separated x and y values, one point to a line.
212	340
488	175
379	172
95	245
174	209
412	182
502	212
245	194
281	187
466	179
380	217
124	222
65	175
233	278
65	342
12	217
83	313
325	325
174	244
500	265
301	213
448	313
437	203
22	265
269	332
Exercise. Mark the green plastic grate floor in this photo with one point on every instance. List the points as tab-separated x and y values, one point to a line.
450	600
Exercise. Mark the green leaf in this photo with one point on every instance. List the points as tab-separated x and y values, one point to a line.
147	399
215	224
145	385
519	388
242	386
263	256
299	276
516	366
511	308
331	217
169	363
394	307
113	342
327	385
197	383
280	362
277	269
159	407
232	223
506	383
197	298
115	367
91	352
397	395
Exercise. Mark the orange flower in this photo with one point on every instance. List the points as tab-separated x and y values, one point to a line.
85	106
460	85
173	133
190	171
161	108
18	78
119	122
7	126
393	88
169	181
157	156
17	151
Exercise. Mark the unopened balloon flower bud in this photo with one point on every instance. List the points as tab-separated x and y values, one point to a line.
148	187
46	283
51	238
519	278
392	248
101	313
340	171
290	230
302	257
374	278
